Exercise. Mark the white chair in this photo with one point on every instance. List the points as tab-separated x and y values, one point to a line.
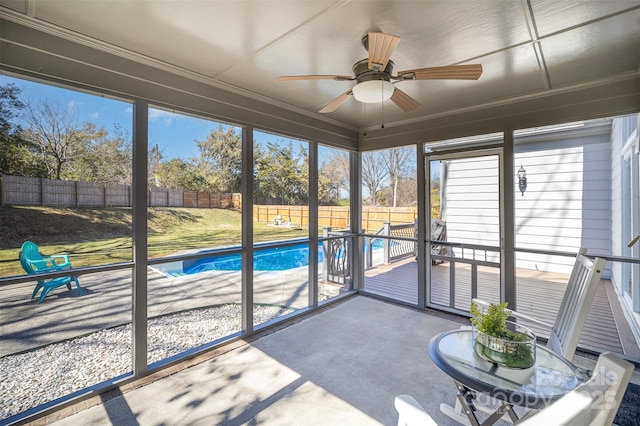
572	315
574	307
594	402
411	413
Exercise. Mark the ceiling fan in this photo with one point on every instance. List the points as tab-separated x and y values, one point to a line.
373	75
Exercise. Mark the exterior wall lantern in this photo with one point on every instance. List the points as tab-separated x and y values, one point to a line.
522	179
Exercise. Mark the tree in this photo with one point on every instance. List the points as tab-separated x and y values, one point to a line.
154	158
405	193
16	157
10	105
282	174
102	157
55	134
374	172
220	161
333	178
327	190
399	165
181	174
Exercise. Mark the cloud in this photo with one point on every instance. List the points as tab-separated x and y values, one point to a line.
164	117
74	104
94	115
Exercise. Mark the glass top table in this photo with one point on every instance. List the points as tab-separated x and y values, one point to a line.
547	380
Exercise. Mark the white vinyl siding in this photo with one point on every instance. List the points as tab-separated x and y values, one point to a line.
567	204
471	202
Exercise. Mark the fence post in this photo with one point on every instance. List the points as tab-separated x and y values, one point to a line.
366	225
327	255
387	242
42	192
368	246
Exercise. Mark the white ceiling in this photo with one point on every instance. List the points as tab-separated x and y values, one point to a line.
526	47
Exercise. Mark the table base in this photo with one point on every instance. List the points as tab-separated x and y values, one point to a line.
465	411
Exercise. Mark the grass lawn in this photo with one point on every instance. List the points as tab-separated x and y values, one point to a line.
98	236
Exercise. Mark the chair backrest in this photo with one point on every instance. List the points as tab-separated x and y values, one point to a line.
411	413
594	402
575	304
28	267
31	251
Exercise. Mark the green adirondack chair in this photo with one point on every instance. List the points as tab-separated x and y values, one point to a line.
44	263
33	262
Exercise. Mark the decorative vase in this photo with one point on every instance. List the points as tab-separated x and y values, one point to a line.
518	350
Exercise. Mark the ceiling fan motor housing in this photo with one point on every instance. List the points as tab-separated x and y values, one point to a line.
362	72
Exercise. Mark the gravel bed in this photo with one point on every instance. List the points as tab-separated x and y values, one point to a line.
37	377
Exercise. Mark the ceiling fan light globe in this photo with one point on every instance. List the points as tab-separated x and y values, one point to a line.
373	91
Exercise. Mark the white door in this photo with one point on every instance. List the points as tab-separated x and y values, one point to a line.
465	212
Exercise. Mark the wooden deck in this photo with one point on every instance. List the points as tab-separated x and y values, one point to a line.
538	294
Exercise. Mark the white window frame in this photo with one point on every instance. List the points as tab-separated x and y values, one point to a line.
631	222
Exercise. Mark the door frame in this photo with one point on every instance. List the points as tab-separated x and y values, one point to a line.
630	220
503	197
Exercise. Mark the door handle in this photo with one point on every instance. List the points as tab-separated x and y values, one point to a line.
633	241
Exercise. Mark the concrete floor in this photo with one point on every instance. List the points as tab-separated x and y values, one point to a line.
342	366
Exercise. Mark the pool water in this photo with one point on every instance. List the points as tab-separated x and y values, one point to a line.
272	259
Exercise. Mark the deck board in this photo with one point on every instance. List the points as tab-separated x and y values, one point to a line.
538	294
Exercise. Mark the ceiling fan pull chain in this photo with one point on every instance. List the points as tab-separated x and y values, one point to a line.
382	103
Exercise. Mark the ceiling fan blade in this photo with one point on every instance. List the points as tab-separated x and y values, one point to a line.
331	106
314	77
452	72
404	101
381	46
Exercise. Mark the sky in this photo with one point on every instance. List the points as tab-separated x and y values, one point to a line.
175	134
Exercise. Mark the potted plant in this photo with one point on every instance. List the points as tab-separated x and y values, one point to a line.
499	341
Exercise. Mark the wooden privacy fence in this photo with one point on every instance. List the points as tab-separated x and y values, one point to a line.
373	218
212	200
29	191
19	190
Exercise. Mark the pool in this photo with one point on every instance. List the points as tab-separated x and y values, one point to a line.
272	259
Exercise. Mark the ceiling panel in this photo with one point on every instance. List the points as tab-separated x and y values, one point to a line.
605	48
204	36
555	15
17	5
448	32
